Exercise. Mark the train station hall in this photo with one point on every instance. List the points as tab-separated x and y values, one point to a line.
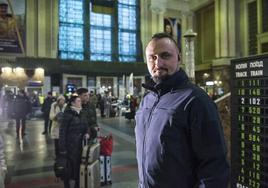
133	93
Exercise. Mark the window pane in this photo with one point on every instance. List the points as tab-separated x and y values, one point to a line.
100	37
127	17
71	55
128	2
127	30
71	38
71	28
127	46
71	11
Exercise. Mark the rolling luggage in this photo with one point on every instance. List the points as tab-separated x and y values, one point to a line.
90	152
93	175
105	170
106	150
90	166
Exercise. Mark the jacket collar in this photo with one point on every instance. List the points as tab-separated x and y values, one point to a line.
178	80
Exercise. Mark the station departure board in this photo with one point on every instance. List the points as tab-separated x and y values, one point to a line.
249	121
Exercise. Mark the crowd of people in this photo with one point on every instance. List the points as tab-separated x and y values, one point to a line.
68	119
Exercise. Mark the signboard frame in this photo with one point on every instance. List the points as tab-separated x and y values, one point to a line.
249	119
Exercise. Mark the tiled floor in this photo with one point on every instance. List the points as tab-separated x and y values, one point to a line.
30	159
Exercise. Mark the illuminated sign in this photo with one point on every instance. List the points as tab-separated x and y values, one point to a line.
249	110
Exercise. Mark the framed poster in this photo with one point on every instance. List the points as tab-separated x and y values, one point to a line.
12	26
172	27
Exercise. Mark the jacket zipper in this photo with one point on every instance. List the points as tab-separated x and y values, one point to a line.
144	140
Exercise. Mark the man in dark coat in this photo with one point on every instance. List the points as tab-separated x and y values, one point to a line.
179	137
88	112
46	109
22	107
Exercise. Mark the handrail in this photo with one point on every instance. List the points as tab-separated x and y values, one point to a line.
222	97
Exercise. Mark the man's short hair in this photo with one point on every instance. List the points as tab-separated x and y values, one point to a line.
158	36
72	99
49	93
81	91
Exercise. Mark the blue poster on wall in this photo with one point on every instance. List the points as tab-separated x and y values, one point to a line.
12	26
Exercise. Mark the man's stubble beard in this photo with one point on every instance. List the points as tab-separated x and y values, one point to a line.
159	79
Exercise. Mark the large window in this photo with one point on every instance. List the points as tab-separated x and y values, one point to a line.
127	30
71	26
102	37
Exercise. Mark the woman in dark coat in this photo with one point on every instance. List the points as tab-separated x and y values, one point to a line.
72	132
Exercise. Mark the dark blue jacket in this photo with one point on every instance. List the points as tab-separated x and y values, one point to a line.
179	137
47	105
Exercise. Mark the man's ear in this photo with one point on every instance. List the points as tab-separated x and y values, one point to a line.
179	57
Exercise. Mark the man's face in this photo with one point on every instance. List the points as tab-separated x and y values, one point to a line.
84	97
77	102
162	58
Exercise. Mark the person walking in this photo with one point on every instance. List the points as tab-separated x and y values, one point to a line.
179	137
21	107
46	110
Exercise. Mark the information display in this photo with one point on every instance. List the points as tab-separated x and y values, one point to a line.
249	111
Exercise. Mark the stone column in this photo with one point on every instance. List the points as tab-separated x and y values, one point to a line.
158	8
31	28
54	28
225	41
225	28
186	23
189	54
41	28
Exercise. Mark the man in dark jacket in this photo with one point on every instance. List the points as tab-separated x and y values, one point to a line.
22	107
46	109
179	136
88	112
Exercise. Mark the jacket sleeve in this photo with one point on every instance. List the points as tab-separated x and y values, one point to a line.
43	106
92	116
63	133
208	144
52	113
